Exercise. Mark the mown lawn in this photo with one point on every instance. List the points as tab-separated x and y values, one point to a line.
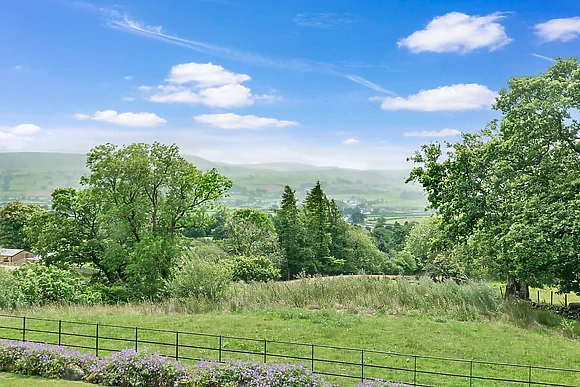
494	341
12	380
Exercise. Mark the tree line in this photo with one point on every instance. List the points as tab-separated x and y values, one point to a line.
139	215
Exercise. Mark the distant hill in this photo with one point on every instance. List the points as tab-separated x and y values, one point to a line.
32	176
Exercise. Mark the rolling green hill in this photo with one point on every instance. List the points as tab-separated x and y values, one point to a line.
32	176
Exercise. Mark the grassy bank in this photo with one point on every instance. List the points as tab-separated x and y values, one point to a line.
12	380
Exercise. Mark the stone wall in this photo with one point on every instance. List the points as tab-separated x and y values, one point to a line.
571	311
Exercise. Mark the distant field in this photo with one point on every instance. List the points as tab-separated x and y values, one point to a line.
32	177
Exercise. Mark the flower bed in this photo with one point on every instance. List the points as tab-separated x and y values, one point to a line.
129	368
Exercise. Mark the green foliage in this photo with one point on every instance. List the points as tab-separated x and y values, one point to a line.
253	268
128	219
204	272
13	217
251	232
290	228
510	192
9	290
39	284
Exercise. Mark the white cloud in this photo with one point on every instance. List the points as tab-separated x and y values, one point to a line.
350	141
145	88
564	29
227	96
25	129
434	133
17	137
204	75
129	78
447	98
458	32
207	84
234	121
125	119
128	99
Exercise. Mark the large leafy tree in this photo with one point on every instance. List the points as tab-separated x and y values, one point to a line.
513	189
13	218
128	218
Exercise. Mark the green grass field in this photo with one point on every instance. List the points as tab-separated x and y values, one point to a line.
12	380
485	340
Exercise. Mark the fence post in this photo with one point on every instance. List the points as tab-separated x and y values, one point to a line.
24	328
176	345
97	340
415	372
59	331
566	299
362	365
265	350
312	357
136	339
470	373
538	296
552	297
530	376
220	350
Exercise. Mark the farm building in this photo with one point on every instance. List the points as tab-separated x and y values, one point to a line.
16	256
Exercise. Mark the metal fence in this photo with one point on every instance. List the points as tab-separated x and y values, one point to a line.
337	363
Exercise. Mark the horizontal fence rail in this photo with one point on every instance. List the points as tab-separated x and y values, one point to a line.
338	363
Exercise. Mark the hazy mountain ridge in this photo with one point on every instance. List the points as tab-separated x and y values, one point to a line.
37	174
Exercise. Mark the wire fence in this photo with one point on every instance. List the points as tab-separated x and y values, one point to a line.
340	364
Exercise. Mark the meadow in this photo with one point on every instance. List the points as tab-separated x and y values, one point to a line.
423	318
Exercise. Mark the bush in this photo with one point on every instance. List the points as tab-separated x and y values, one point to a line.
48	361
250	269
237	373
130	368
200	278
41	284
8	290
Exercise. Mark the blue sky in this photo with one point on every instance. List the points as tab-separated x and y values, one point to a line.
334	82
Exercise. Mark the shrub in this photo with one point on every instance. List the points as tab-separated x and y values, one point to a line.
41	284
129	368
48	361
8	290
237	373
256	268
200	278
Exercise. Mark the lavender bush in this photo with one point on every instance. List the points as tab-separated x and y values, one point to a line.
49	361
237	373
128	368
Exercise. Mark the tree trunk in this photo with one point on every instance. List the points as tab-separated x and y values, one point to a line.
516	288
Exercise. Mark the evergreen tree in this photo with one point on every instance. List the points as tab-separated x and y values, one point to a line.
289	223
316	209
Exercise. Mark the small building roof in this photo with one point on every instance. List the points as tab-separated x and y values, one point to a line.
9	252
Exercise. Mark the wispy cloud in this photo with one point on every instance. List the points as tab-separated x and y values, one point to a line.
124	22
369	84
350	141
324	19
234	121
564	29
544	57
434	133
124	119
